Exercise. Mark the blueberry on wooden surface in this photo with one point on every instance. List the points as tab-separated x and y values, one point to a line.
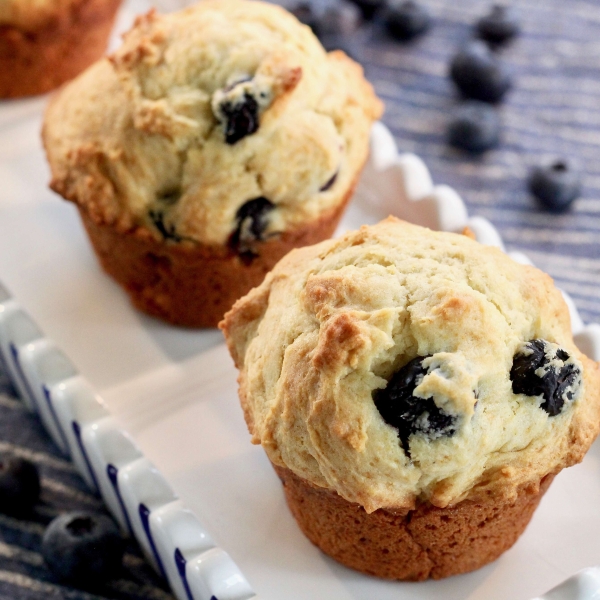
369	8
83	547
479	74
543	369
19	485
306	13
251	223
406	20
475	127
409	414
499	26
555	186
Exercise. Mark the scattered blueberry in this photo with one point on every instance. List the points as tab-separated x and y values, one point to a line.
479	74
407	413
168	231
341	18
306	13
499	26
369	7
406	20
251	223
19	485
475	127
83	547
555	186
541	368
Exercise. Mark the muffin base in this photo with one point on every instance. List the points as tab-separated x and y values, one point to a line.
40	60
413	545
192	284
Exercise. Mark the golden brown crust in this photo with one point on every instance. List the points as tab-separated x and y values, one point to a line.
356	309
142	133
43	55
427	542
192	284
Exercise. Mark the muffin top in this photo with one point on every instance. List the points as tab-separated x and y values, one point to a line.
224	121
397	365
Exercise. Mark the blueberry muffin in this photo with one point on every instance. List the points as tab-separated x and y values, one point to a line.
416	393
44	43
213	142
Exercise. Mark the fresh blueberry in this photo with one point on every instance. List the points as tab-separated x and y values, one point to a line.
19	485
406	20
479	74
499	26
342	18
83	547
251	223
544	369
168	231
409	414
338	19
369	8
306	13
475	127
555	186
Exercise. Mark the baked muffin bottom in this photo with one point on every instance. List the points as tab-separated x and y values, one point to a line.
191	284
37	61
413	545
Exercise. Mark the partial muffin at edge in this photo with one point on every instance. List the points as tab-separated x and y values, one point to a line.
44	44
226	137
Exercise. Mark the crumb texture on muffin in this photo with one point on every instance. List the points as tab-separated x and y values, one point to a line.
203	111
325	344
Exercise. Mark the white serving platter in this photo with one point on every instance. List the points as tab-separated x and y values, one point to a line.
173	391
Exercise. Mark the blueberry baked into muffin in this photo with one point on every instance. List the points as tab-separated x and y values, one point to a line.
44	43
211	143
415	391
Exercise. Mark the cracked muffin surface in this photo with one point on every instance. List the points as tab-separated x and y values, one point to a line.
397	365
203	111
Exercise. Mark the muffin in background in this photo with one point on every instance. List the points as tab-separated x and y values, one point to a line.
211	143
416	392
44	43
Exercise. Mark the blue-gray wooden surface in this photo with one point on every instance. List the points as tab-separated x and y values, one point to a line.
552	111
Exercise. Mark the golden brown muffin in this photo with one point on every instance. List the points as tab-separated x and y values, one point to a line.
212	142
44	43
416	392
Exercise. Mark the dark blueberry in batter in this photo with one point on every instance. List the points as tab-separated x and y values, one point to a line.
552	385
555	186
406	20
475	127
499	26
167	231
407	413
241	118
479	74
19	485
83	547
251	222
329	184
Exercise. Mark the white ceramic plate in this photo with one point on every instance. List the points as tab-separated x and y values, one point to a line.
174	392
